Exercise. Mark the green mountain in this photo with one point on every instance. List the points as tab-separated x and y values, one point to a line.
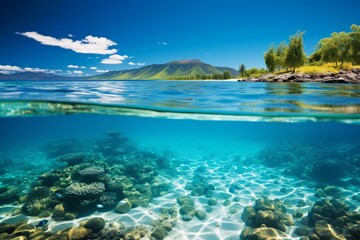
166	71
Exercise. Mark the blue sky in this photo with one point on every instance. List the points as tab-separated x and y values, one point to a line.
60	35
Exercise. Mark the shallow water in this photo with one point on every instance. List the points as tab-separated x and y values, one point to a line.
302	147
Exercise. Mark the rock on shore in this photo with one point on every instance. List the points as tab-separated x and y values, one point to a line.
352	76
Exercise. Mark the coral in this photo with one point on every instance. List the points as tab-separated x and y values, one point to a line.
83	190
37	200
92	173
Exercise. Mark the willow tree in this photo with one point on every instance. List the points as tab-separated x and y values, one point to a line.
295	55
355	44
270	59
336	48
280	56
328	50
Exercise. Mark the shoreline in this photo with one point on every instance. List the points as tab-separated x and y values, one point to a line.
352	77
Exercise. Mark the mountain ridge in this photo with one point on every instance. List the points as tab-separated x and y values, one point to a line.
173	69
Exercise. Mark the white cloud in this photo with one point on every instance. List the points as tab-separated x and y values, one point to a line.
78	72
93	68
114	59
102	71
162	43
90	44
72	66
70	35
5	72
28	69
10	68
83	67
133	64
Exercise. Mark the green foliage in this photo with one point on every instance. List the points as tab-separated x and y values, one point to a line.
242	70
339	48
280	56
270	59
227	75
255	72
215	76
295	56
355	44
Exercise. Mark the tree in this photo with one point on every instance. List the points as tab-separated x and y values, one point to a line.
270	59
242	70
227	75
328	50
295	56
336	48
280	56
355	44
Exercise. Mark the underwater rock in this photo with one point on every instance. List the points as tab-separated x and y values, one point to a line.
79	233
9	194
69	216
187	210
270	219
302	231
58	237
212	202
198	191
186	217
201	215
7	227
124	206
333	218
74	158
184	200
226	202
135	233
266	212
96	224
326	231
159	233
58	211
262	233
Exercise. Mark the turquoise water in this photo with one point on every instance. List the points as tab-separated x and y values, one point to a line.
225	145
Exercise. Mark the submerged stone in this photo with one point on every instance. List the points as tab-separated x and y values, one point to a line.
123	207
96	224
201	215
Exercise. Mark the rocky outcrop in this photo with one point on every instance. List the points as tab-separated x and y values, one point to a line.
352	76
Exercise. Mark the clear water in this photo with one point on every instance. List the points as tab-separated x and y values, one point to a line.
281	141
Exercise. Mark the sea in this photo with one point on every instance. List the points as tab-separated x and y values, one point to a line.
179	160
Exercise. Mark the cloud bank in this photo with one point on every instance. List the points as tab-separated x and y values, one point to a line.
88	45
7	69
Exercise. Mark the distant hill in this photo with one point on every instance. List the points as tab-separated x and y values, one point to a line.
35	76
166	71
